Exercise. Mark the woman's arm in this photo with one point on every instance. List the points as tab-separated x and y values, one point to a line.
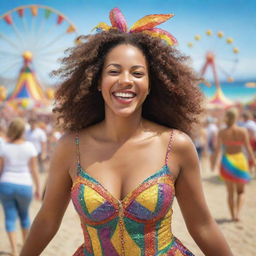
33	166
44	150
217	152
1	165
248	146
189	193
56	200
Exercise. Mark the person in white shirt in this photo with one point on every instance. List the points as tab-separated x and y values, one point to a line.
212	131
18	167
38	137
249	123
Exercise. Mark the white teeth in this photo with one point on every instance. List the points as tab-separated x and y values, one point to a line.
124	94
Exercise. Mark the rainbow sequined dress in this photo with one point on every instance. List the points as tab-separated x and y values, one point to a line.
139	225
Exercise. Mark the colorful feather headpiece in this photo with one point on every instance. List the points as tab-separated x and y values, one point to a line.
146	25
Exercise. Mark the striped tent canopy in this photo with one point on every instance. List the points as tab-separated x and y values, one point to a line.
219	100
27	86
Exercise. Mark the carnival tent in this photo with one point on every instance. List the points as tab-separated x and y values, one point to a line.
27	86
219	100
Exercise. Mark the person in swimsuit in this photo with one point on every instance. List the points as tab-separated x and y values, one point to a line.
234	168
127	104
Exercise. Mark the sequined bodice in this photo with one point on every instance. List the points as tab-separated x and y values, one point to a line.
138	225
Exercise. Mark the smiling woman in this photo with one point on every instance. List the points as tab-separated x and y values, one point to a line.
127	102
173	85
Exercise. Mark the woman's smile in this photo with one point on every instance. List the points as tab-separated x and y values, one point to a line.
124	97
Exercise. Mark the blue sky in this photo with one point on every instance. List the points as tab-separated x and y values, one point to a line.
236	18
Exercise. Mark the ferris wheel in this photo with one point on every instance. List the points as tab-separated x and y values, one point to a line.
214	56
40	30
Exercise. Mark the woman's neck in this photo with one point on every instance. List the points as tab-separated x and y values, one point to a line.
231	126
120	129
17	141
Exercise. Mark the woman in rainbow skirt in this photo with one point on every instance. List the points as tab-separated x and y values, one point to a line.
234	167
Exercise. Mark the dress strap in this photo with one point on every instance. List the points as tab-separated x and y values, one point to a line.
77	149
169	148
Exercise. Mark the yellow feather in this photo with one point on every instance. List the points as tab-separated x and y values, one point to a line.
150	21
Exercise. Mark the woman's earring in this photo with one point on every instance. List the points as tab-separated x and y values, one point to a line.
99	89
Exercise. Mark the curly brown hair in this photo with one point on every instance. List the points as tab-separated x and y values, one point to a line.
174	100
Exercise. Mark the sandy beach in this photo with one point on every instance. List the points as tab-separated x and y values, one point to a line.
240	236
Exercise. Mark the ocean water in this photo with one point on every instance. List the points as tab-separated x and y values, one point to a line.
235	91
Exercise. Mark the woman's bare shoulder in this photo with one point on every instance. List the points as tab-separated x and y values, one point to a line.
241	129
65	147
179	139
67	139
182	142
182	149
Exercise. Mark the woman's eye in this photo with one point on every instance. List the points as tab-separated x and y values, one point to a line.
138	74
113	72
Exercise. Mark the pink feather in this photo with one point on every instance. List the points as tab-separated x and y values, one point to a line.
117	20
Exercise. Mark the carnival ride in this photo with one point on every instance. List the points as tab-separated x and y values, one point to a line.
212	65
32	39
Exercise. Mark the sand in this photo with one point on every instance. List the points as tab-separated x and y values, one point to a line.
241	236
